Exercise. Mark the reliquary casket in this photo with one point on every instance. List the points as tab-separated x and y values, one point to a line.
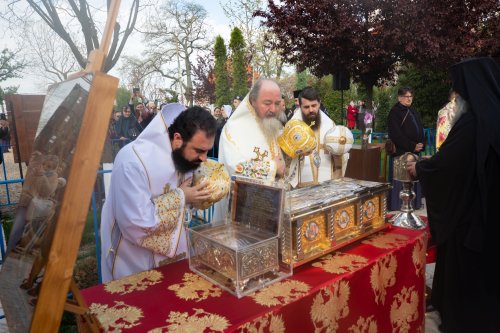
243	253
324	217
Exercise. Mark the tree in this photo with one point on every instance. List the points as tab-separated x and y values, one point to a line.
237	45
74	21
431	89
49	56
222	93
122	97
9	66
177	36
204	80
264	59
134	72
369	38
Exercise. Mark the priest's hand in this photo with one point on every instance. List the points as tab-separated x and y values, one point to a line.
280	166
195	194
410	167
419	147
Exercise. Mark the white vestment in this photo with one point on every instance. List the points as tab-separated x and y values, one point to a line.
331	167
142	218
244	149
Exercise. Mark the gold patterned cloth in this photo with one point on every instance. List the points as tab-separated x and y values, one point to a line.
376	285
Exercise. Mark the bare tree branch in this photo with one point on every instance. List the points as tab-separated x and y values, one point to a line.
64	16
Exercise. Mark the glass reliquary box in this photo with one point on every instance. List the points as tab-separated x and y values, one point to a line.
332	214
244	253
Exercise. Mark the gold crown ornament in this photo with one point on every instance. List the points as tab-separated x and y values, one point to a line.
297	138
216	175
338	140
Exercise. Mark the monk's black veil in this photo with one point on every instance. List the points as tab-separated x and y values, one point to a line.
477	80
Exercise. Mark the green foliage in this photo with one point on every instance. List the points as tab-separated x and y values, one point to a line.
7	223
331	99
237	45
431	89
88	236
222	92
9	66
122	97
7	91
383	98
302	79
174	98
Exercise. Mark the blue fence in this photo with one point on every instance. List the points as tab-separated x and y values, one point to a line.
381	137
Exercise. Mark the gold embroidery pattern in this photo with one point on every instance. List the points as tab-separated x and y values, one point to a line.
136	282
386	241
383	276
268	323
329	306
179	322
340	263
118	317
194	288
404	309
364	325
168	208
228	135
418	256
281	293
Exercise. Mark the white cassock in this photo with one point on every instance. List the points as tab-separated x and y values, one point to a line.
142	218
244	149
331	167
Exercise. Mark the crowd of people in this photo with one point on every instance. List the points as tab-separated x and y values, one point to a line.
358	116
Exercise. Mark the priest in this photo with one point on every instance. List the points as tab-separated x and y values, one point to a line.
142	225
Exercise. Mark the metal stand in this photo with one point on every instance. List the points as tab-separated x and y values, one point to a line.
406	218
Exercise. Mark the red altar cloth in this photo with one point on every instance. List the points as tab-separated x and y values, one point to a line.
375	285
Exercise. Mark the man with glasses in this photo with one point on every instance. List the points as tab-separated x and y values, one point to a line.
407	133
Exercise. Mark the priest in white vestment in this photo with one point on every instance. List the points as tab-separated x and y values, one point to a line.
142	223
320	165
248	144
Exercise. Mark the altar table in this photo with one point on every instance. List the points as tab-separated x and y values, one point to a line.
374	285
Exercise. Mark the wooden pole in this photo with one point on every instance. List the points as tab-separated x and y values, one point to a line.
75	204
73	213
97	57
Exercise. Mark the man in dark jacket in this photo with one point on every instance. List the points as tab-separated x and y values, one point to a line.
407	133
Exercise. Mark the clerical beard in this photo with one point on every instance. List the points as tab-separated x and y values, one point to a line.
312	117
182	164
271	127
461	107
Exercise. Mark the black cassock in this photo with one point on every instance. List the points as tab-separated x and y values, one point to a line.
466	284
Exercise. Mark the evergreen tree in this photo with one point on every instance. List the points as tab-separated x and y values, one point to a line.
301	79
431	89
237	45
222	93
